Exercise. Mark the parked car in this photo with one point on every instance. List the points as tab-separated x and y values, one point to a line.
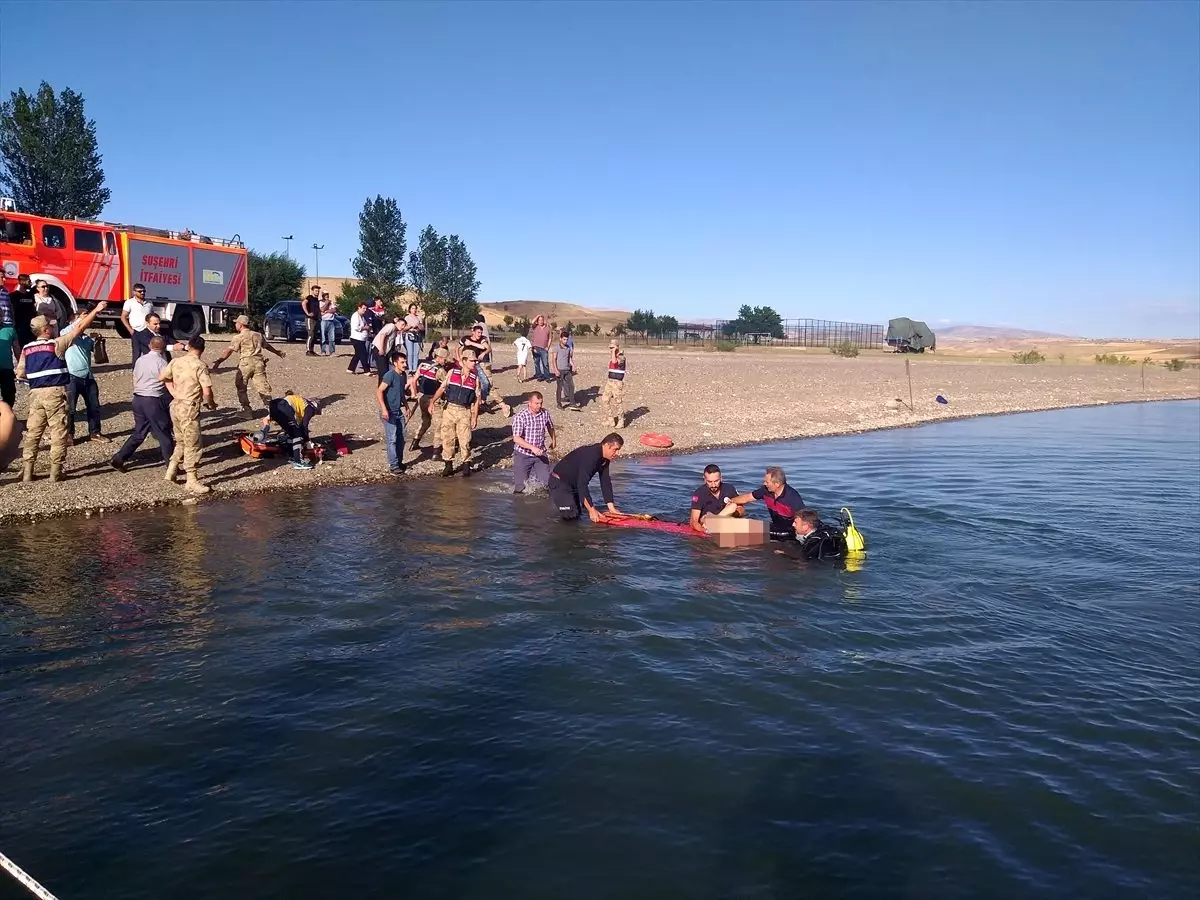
285	321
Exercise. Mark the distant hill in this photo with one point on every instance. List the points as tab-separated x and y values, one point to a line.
559	313
994	333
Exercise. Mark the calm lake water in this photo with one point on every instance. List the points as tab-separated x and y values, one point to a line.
432	690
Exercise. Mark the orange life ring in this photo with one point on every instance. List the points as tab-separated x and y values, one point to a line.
650	439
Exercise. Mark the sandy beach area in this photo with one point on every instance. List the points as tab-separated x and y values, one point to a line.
699	399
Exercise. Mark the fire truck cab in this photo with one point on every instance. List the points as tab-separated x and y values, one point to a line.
193	280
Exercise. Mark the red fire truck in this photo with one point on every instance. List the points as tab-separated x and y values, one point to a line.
193	280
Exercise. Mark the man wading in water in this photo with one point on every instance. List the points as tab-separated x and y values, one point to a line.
569	480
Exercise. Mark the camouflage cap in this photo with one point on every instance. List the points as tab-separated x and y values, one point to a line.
441	353
38	324
243	320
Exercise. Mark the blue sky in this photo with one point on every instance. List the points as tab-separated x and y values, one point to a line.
1008	163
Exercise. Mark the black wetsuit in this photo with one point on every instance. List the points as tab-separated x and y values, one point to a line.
569	480
825	542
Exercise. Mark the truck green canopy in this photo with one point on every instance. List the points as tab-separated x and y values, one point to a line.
910	336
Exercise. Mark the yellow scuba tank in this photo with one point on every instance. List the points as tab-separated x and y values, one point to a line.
855	542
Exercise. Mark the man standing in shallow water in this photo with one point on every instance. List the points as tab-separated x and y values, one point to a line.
533	438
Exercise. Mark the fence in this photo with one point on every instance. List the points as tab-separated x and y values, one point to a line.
796	333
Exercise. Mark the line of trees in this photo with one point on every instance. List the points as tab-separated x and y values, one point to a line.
438	274
645	323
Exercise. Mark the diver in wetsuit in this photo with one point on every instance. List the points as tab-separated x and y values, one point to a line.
569	480
815	539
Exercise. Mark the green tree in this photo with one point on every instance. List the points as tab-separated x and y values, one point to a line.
427	272
618	330
508	320
665	325
382	247
350	295
522	326
270	279
49	161
641	321
461	284
755	320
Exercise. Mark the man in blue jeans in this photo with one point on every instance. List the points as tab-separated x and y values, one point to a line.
391	394
83	384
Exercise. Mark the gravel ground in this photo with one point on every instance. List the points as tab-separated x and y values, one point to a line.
699	399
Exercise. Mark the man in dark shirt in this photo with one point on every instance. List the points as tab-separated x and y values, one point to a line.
312	318
713	499
569	480
24	308
783	502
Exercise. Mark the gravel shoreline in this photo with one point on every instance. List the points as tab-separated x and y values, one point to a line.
702	400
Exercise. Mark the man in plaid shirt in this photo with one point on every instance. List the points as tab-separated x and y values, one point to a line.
531	428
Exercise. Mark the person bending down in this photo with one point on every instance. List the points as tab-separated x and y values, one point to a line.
569	480
293	413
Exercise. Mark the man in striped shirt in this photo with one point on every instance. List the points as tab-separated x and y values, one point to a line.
531	429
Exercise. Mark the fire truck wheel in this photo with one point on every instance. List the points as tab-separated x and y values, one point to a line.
186	323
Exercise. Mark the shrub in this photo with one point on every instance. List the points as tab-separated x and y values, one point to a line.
847	349
1174	365
726	346
1028	357
1111	359
1062	359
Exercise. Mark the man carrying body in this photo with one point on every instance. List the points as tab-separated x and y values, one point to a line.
562	367
531	428
187	378
133	316
293	413
713	498
569	480
428	378
83	383
783	502
461	390
43	365
815	539
614	386
252	365
311	305
151	406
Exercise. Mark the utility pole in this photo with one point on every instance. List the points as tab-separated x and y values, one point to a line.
287	246
317	248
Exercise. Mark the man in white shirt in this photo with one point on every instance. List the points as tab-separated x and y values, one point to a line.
522	344
133	317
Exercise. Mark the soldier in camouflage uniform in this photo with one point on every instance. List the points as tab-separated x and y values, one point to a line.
44	366
187	378
252	365
429	376
614	386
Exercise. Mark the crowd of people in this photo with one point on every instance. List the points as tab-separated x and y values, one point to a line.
446	386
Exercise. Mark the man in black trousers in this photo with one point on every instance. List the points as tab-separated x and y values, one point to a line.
151	406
